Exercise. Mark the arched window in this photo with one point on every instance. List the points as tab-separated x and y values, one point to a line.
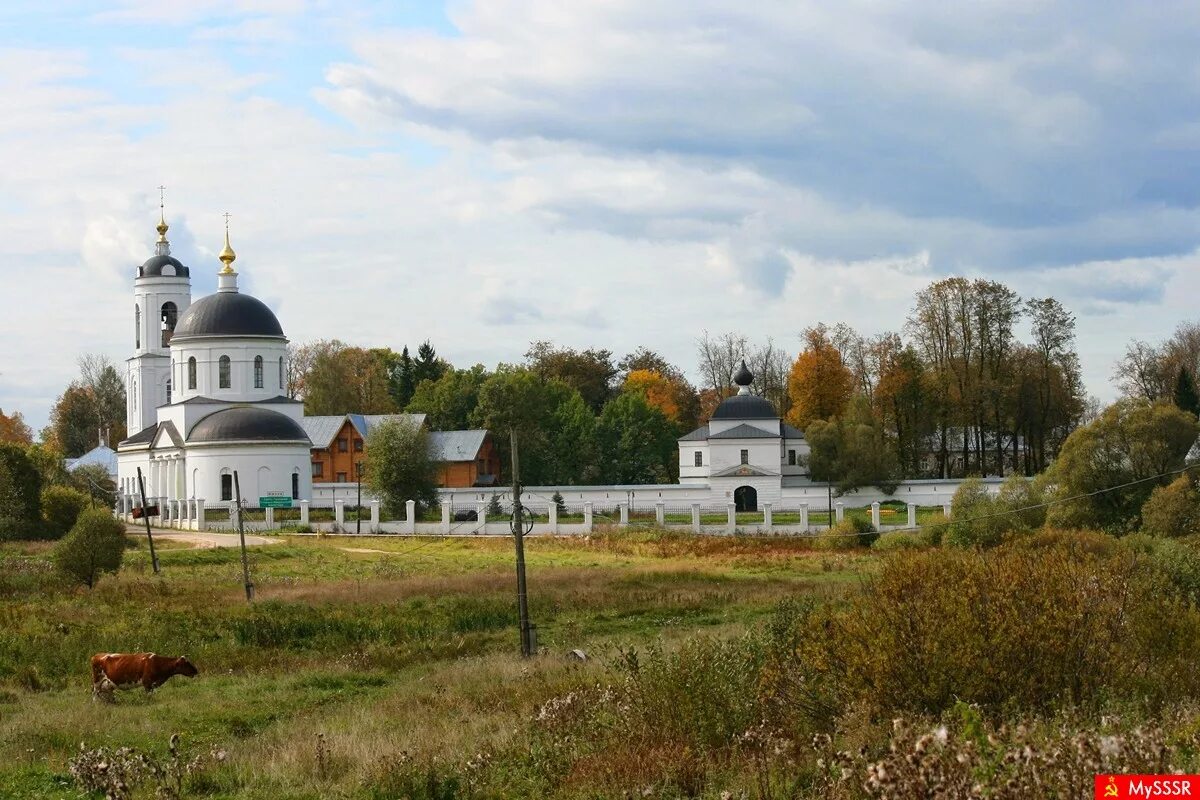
137	327
192	372
258	372
296	484
223	373
169	314
133	394
281	386
168	391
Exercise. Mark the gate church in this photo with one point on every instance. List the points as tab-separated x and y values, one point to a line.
206	394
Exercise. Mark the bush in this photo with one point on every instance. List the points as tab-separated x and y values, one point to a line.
846	535
897	541
95	545
61	506
20	493
1172	510
972	517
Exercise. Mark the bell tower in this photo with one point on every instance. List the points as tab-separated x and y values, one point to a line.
162	291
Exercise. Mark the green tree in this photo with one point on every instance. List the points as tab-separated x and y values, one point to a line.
94	545
100	377
570	439
851	451
1134	445
402	382
636	442
61	506
1172	510
517	400
591	372
974	520
73	422
427	366
1185	396
20	493
344	380
449	402
95	482
400	466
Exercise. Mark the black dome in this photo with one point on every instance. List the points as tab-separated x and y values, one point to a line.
243	423
153	268
228	314
745	406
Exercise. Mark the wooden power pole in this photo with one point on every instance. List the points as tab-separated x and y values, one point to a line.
518	529
146	519
237	489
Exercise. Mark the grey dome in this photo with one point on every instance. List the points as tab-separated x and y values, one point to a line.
228	314
153	268
247	423
745	406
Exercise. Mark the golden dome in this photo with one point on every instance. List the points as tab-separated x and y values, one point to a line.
227	256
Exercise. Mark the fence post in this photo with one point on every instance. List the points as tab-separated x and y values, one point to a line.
767	517
875	515
623	510
587	516
839	511
410	516
481	517
695	517
731	518
660	513
339	514
946	509
804	517
552	512
304	512
374	516
912	515
201	525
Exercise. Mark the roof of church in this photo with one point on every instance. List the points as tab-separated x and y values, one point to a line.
246	423
202	400
745	431
144	436
228	314
154	265
745	406
701	434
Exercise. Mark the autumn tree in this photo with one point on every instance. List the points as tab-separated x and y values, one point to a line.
98	375
73	422
1184	395
13	429
672	395
343	380
819	383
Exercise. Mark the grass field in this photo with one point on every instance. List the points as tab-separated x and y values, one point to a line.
358	655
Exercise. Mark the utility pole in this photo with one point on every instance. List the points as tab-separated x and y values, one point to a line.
146	519
518	529
237	488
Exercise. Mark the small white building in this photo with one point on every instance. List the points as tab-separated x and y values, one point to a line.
745	452
206	395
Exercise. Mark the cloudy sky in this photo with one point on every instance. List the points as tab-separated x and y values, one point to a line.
618	173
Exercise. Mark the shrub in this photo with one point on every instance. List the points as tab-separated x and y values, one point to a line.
20	493
95	545
1172	510
972	517
897	541
1022	501
61	506
846	535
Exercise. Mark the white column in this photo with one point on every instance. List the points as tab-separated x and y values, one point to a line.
339	513
481	515
839	511
446	516
946	509
875	515
269	517
201	525
912	515
660	513
553	512
804	517
304	512
730	517
587	516
695	517
410	516
767	517
623	510
375	516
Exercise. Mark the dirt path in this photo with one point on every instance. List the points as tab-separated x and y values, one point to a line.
206	540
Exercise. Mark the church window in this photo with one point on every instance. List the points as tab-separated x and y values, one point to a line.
258	372
226	486
791	458
168	391
281	386
134	394
745	456
137	327
169	314
295	485
223	373
192	372
699	458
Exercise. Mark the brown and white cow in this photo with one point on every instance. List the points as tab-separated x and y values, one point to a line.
126	670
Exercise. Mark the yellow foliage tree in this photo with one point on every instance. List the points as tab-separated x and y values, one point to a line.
660	391
819	383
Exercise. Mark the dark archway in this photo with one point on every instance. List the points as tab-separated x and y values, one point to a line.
745	498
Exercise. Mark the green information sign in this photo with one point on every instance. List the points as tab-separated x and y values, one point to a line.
275	501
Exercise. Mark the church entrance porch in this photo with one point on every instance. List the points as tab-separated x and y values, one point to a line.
745	498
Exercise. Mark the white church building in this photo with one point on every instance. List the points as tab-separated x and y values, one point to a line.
206	396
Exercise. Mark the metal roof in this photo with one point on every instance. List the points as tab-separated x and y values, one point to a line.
698	435
228	314
744	431
322	429
456	445
144	436
246	423
103	456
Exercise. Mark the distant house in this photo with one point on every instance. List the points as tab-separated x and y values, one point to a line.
99	456
466	458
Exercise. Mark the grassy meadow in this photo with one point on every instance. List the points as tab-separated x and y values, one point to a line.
366	667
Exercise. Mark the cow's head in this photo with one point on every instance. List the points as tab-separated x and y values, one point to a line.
185	667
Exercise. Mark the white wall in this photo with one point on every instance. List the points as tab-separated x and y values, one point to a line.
241	352
205	465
